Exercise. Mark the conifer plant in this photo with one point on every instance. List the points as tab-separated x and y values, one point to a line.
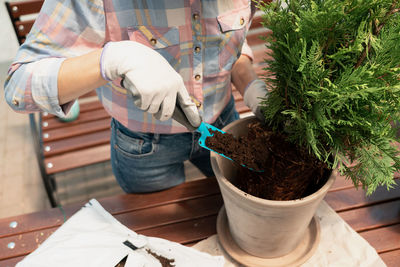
334	82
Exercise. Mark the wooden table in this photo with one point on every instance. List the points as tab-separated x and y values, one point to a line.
187	214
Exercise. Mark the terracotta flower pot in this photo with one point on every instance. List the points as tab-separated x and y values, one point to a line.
260	227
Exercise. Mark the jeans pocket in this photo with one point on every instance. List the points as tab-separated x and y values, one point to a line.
134	145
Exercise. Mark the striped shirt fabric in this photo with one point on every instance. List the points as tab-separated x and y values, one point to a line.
201	39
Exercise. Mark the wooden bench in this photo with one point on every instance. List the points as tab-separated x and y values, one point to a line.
61	146
65	146
187	214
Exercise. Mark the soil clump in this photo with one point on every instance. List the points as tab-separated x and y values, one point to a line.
165	262
289	172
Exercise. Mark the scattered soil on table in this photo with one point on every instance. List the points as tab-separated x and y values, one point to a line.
164	261
122	262
289	172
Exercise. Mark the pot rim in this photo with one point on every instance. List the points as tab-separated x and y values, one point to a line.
282	203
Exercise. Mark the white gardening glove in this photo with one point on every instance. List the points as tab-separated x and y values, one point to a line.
155	85
253	95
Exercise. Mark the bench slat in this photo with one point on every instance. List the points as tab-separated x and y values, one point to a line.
21	8
189	231
351	198
373	216
241	107
76	143
92	115
174	212
85	107
254	38
140	220
77	159
77	129
11	262
24	244
341	183
115	205
24	27
391	258
236	95
383	239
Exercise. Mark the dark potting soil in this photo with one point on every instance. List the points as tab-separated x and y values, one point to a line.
165	262
289	172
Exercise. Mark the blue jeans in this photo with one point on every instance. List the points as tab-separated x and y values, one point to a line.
147	162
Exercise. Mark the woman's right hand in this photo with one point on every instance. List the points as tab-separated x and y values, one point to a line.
155	85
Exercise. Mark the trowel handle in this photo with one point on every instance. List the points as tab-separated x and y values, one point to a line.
180	117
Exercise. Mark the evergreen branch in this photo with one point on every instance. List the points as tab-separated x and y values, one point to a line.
377	30
319	100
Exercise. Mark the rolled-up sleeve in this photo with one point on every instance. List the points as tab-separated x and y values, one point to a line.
63	29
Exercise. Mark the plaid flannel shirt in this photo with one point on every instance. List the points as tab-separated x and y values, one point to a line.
200	39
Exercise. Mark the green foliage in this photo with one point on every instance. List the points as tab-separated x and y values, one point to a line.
335	84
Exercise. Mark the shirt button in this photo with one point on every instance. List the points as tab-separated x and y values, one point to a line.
197	77
241	21
15	102
197	49
153	41
196	16
198	104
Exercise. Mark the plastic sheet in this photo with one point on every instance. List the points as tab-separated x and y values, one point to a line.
93	237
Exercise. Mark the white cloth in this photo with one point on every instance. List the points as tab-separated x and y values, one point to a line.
94	238
339	245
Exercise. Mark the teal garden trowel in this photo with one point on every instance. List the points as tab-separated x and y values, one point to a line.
206	130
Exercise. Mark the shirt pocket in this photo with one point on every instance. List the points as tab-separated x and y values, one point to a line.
233	26
165	40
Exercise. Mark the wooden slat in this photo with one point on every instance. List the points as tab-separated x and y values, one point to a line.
76	143
20	8
24	244
260	55
172	216
237	96
241	107
256	22
189	231
351	198
391	258
76	129
341	183
23	27
384	239
372	217
254	38
85	107
140	220
77	159
171	213
11	262
115	205
84	117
